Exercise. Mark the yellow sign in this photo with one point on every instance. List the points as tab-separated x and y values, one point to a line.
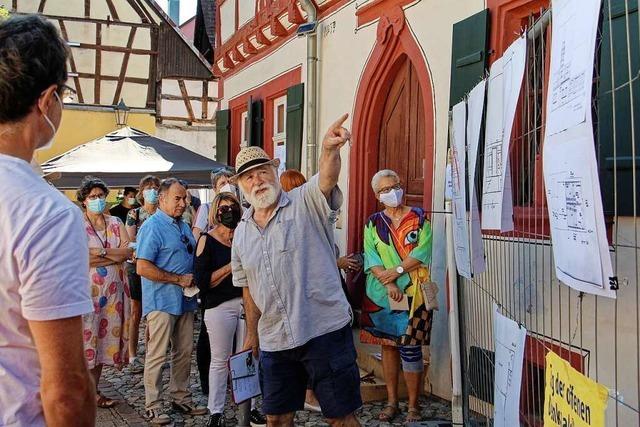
570	398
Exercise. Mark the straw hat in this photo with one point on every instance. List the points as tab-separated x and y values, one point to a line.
250	158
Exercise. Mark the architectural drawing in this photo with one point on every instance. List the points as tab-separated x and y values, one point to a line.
572	53
576	219
509	342
505	81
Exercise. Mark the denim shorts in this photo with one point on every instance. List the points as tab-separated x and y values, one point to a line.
327	363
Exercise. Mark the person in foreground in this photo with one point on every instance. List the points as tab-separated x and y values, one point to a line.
298	318
397	252
165	263
44	256
222	302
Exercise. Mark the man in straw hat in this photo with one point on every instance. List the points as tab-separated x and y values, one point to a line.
297	314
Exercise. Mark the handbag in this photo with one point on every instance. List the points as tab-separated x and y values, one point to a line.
430	295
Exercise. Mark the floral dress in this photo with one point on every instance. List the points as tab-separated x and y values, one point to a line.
106	330
388	247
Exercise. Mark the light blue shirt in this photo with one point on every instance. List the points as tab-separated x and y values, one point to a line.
164	241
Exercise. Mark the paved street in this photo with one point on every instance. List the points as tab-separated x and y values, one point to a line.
128	389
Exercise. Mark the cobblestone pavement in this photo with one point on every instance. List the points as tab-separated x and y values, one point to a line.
128	389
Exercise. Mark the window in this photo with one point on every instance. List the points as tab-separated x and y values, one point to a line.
244	126
280	130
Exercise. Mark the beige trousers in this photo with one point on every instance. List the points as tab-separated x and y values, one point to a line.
165	328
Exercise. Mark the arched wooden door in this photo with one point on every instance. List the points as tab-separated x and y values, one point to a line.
402	133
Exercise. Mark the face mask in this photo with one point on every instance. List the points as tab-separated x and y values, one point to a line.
229	216
228	188
96	205
150	195
49	143
131	201
392	199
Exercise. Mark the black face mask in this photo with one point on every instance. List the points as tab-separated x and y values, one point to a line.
229	216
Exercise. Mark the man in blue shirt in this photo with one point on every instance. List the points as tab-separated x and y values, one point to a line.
165	263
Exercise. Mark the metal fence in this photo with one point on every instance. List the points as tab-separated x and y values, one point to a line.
598	336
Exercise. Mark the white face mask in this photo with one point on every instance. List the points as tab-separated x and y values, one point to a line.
393	198
49	143
228	188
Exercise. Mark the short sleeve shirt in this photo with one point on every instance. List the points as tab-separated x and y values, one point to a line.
44	275
165	242
290	268
202	217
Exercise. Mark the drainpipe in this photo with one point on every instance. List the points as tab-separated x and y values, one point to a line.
312	89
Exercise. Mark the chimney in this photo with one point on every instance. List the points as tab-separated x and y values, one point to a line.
174	11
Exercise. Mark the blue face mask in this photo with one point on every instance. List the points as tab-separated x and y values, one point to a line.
150	195
96	205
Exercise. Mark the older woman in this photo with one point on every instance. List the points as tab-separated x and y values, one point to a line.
397	245
221	301
106	329
220	183
148	199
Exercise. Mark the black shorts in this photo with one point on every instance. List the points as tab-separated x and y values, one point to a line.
327	363
135	284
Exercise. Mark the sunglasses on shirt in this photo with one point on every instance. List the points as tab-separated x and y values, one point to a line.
184	239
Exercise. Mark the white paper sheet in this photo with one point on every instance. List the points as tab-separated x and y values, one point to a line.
475	107
509	342
576	218
575	23
280	152
497	200
243	368
458	175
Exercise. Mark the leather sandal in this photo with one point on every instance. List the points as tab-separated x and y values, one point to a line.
413	415
389	412
104	402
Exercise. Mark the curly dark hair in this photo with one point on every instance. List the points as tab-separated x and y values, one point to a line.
32	58
89	183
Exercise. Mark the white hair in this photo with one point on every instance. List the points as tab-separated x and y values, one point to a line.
384	173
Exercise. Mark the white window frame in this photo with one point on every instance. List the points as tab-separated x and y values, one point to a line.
243	129
282	136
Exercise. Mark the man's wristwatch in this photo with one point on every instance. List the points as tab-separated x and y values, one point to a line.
103	253
400	270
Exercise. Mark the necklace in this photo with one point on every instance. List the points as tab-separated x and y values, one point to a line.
106	235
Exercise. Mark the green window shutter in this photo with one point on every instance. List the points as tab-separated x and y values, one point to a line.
223	135
469	54
614	49
256	120
295	119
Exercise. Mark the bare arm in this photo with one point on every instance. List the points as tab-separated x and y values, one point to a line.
220	274
252	314
391	275
67	389
330	162
149	271
196	232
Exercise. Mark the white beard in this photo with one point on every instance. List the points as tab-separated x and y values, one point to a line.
264	200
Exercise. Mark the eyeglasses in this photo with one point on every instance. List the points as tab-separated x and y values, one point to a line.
388	189
68	94
96	196
184	239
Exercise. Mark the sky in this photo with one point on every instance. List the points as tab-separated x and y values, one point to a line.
187	8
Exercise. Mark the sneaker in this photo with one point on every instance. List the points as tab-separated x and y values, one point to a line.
257	419
155	416
188	409
136	367
311	407
216	420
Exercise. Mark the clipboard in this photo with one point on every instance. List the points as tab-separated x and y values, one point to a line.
243	370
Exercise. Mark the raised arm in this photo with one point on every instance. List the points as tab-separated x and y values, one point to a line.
330	162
